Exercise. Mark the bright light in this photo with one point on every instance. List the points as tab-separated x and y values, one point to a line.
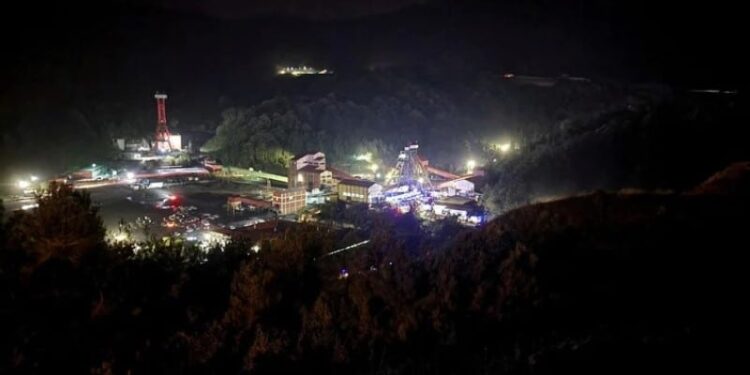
34	178
470	165
130	175
255	248
374	167
344	273
172	197
505	147
300	178
364	157
23	184
93	165
420	180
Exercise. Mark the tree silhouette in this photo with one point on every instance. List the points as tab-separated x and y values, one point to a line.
65	226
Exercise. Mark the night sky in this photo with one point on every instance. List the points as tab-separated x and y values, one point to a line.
677	42
312	9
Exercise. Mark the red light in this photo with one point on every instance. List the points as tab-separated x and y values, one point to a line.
172	197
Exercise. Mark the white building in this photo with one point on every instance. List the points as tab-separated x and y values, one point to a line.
457	187
363	191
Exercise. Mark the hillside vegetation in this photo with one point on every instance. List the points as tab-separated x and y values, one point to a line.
596	283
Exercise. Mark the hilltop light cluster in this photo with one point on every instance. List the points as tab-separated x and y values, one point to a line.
301	70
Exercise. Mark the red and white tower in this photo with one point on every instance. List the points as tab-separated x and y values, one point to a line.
162	142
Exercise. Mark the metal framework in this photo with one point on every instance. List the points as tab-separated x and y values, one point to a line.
162	142
410	170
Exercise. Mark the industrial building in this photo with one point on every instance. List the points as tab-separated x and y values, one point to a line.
362	191
462	187
296	71
235	203
465	210
288	201
308	170
312	178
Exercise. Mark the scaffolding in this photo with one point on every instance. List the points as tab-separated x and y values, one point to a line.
410	171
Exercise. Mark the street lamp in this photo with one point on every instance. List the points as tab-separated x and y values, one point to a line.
23	184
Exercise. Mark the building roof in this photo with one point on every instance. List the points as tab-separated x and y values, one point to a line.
291	190
339	174
262	231
470	206
303	154
249	201
455	200
357	182
311	169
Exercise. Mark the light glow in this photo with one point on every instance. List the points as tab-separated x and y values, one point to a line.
364	157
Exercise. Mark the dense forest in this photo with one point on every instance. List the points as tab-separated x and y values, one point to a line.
598	283
654	140
72	83
453	119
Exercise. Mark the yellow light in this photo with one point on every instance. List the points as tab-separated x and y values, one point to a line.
364	157
23	184
374	167
300	178
470	165
120	237
505	147
420	180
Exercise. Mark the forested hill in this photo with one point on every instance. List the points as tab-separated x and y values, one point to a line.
667	142
453	118
604	282
78	72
